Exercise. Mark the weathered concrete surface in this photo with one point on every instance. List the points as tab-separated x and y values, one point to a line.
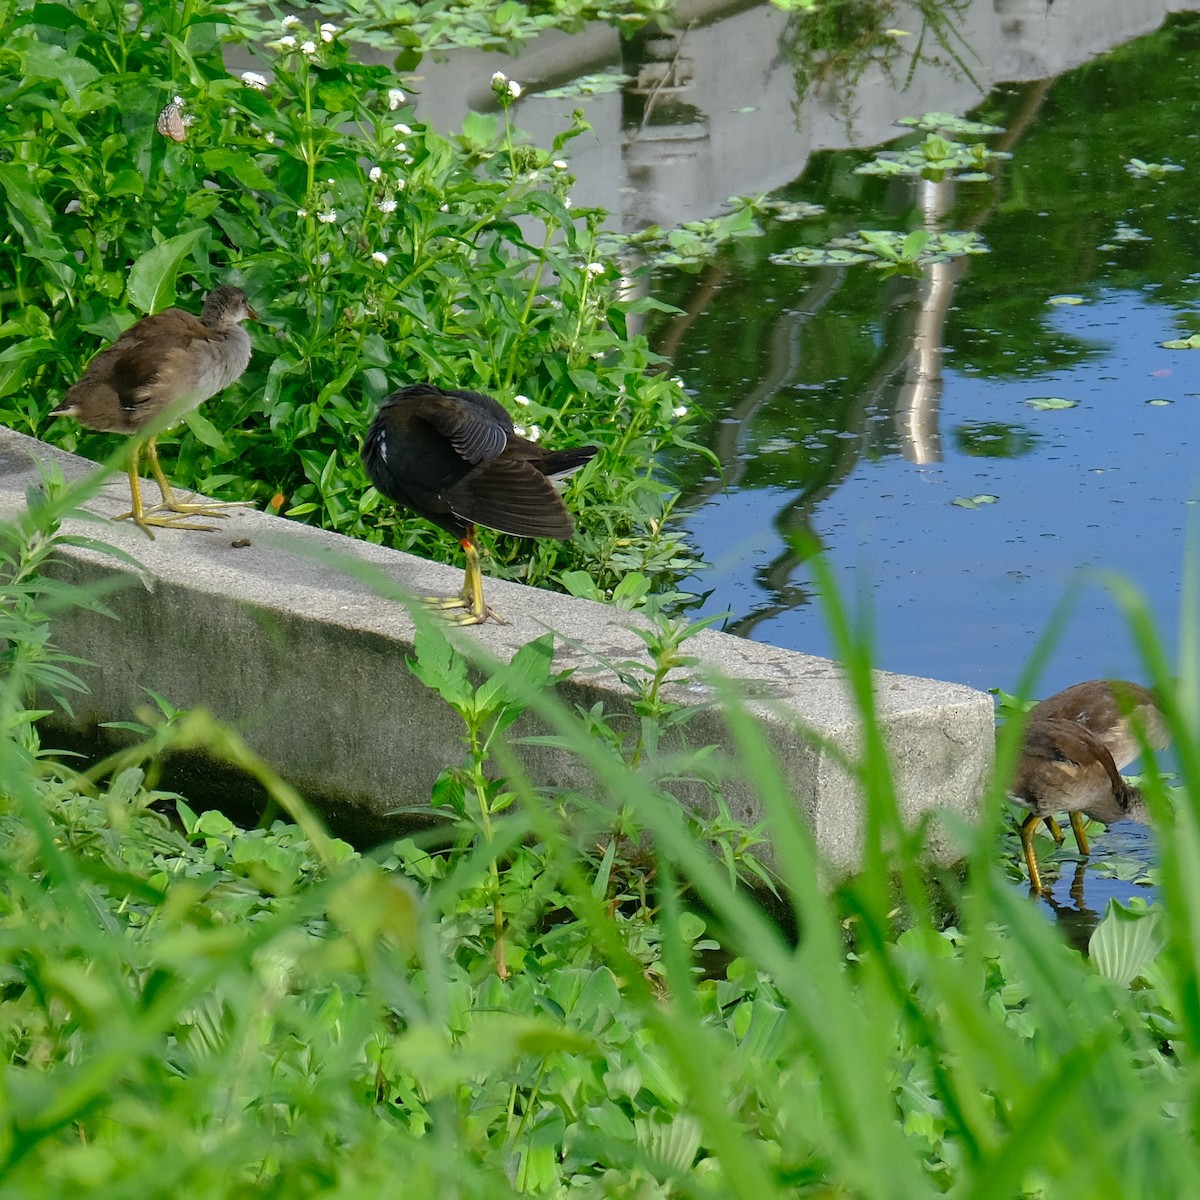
308	663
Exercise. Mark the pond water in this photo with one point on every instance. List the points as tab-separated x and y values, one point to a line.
850	410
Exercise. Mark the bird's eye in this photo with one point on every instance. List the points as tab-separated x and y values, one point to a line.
171	123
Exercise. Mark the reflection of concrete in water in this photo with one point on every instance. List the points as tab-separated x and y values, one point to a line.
740	127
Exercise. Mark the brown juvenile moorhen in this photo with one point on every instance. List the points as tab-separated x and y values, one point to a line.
165	364
453	458
1076	743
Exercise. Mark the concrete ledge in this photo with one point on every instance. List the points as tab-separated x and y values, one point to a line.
309	664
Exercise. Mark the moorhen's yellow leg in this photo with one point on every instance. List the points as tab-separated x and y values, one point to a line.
474	611
1055	830
210	508
138	514
1080	836
1027	827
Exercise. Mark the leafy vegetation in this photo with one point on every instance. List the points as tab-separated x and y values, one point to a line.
571	996
376	249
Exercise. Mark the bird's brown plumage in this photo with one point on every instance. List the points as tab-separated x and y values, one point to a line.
1075	744
159	368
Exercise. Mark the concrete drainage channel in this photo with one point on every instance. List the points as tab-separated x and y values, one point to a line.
270	625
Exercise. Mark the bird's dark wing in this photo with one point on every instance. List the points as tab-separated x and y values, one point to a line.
474	424
512	497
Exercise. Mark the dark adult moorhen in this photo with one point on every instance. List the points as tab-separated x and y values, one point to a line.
454	459
1076	743
163	365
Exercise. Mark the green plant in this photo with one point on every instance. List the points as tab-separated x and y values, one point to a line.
377	250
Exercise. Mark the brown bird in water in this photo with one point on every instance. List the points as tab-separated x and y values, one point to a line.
163	365
454	459
1076	743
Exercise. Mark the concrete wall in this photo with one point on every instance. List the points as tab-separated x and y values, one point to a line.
309	664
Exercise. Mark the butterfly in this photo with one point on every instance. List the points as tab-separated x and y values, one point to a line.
171	123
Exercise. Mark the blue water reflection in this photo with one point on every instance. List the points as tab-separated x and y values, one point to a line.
963	594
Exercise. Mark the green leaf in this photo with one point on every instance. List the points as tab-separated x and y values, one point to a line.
1126	942
974	501
1050	402
151	285
205	431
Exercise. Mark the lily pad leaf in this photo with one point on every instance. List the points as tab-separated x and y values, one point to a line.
1190	343
1048	402
974	501
1066	300
1126	942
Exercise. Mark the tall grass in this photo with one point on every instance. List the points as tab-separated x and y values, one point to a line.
187	1006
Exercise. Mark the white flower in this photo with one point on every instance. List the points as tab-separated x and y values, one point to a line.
379	257
395	98
253	79
327	217
386	206
328	31
270	139
521	400
499	78
289	22
535	433
568	202
288	43
559	164
514	89
400	185
324	259
680	410
519	430
401	147
178	101
302	213
375	174
309	47
595	268
445	208
402	129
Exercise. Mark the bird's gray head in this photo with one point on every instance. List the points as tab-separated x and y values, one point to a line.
225	307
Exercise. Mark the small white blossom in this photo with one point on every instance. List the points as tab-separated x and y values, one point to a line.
519	430
288	43
328	31
514	89
375	174
680	410
559	164
379	257
499	78
309	47
535	433
325	259
401	147
568	202
252	79
386	206
595	268
302	213
395	99
330	181
521	400
270	139
445	208
327	217
400	185
402	129
289	22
